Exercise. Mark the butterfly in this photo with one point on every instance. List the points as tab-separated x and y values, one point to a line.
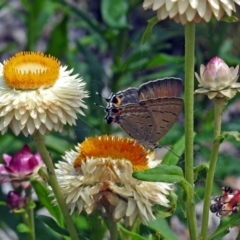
148	112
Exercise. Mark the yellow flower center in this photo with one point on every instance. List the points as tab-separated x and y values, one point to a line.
31	70
115	148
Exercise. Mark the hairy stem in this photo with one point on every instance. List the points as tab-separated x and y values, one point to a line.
219	103
189	105
52	181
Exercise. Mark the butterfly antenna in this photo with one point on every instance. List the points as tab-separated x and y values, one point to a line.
169	149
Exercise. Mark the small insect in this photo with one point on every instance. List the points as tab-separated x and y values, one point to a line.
226	204
217	206
148	112
226	190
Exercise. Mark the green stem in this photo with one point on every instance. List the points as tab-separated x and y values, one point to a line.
189	104
219	103
52	181
30	213
26	220
112	227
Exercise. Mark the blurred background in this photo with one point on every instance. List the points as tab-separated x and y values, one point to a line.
101	40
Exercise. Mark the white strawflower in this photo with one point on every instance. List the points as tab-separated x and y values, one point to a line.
36	93
184	11
98	175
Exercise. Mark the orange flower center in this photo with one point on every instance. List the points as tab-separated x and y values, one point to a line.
31	70
115	148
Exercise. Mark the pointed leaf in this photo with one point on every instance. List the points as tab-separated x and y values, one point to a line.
53	225
58	42
162	173
172	157
114	13
133	236
161	227
225	224
151	23
229	19
224	135
200	168
43	196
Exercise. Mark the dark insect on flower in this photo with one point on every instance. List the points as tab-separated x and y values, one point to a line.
217	206
226	190
226	204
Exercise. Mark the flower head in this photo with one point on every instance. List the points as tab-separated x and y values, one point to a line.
98	175
184	11
217	79
15	201
20	167
36	93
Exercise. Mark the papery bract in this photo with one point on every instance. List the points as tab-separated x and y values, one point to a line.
217	79
19	167
15	201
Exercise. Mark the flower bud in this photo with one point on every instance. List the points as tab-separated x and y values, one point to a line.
20	167
15	201
217	79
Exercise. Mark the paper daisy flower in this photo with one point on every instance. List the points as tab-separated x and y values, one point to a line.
36	93
184	11
98	175
217	79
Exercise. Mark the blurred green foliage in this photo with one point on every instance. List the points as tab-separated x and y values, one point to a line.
102	41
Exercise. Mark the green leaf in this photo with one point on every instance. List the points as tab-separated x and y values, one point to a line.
31	205
225	224
161	227
43	196
151	23
172	157
53	225
114	13
161	173
58	42
229	19
224	135
3	203
23	228
164	173
163	59
133	236
200	168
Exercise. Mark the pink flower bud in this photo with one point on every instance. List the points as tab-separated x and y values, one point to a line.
20	166
217	79
15	201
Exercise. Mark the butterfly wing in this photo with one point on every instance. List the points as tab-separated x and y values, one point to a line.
137	122
164	113
124	97
160	88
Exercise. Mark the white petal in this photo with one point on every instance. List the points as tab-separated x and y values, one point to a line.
194	3
201	9
131	207
214	4
157	4
190	13
182	6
